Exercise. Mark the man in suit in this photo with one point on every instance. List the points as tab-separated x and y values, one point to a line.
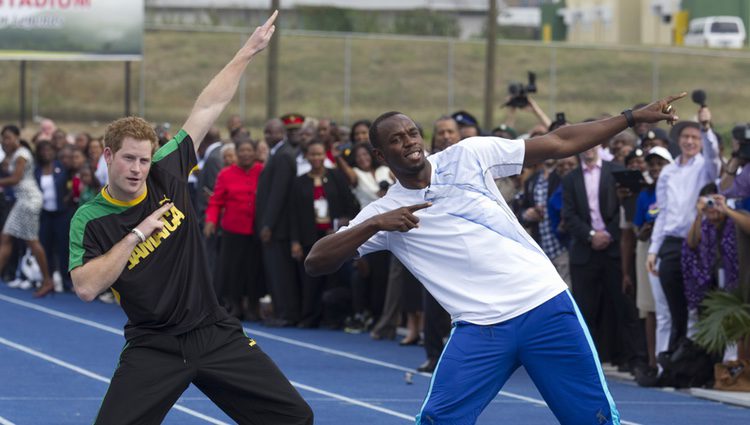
591	211
210	165
273	221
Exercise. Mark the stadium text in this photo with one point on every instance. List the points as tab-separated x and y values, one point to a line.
46	4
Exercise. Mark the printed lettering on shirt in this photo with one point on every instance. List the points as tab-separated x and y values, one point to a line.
172	219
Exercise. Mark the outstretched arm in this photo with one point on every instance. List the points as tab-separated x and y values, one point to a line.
222	87
329	253
577	138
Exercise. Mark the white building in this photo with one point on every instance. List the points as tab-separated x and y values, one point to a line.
471	14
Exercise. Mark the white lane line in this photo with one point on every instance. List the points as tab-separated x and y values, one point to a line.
95	376
353	401
272	337
335	352
4	421
61	315
119	332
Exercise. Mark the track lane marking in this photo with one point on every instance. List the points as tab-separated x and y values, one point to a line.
279	339
95	376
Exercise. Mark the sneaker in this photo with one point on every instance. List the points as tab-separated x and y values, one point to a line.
57	281
647	376
15	283
354	324
26	285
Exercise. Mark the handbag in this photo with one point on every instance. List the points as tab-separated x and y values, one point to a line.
732	376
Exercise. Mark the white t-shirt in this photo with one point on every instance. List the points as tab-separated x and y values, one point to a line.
368	185
49	193
469	250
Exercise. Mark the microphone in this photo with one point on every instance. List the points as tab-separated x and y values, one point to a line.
699	97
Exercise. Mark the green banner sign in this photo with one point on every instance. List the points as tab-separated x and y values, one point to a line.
71	29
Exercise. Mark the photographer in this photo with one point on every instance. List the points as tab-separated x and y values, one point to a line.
736	180
518	99
709	253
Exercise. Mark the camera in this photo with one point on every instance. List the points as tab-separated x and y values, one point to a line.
741	133
519	92
710	202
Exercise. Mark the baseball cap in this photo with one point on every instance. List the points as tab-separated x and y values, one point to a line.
660	152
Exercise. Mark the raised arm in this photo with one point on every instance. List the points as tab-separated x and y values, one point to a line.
222	87
574	139
351	176
712	164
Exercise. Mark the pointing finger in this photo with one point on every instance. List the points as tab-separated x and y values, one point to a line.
164	208
269	22
417	207
671	99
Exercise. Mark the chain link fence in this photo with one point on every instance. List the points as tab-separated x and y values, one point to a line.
353	76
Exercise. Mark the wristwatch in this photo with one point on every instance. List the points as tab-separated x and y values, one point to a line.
592	232
628	113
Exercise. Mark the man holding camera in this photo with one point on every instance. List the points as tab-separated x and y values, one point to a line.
676	193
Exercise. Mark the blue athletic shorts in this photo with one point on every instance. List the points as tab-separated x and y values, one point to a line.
551	342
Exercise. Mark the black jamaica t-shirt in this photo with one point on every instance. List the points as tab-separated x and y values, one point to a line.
165	286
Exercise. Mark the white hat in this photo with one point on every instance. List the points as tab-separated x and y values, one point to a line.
661	152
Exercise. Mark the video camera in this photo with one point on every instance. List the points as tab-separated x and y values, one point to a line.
741	133
519	92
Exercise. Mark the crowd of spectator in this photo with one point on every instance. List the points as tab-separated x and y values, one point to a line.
641	228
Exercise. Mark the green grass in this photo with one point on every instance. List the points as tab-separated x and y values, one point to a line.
407	75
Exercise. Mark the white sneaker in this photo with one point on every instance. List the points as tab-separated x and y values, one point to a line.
26	285
57	281
15	283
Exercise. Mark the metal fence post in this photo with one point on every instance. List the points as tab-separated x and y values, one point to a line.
451	72
142	89
553	80
242	86
654	75
34	90
347	77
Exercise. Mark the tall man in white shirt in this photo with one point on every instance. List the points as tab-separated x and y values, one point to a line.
449	225
676	194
